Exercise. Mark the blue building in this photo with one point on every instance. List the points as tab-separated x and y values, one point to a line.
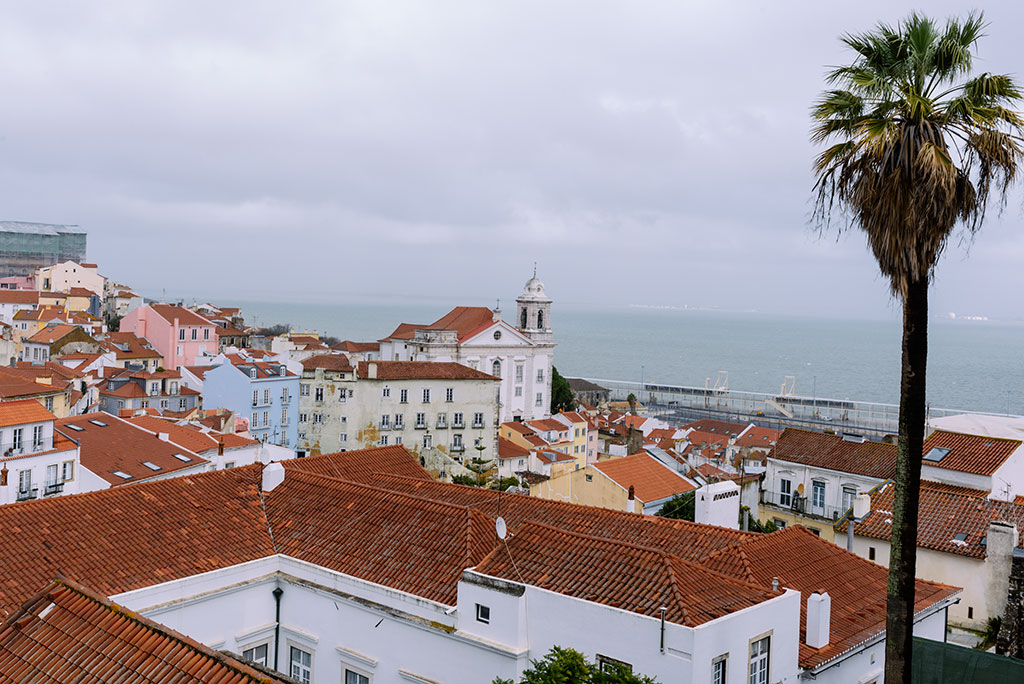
265	392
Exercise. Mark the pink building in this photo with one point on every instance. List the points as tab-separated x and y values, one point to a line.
178	334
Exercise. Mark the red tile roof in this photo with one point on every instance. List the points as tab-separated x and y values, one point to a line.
99	641
466	321
331	362
405	331
13	385
22	411
127	345
421	370
805	562
944	511
51	334
125	538
873	459
722	427
411	544
547	424
349	346
969	453
651	481
120	446
80	292
757	438
361	465
184	316
19	296
506	449
623	575
190	437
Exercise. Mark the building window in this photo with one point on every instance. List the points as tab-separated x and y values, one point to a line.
398	439
449	394
612	665
456	442
785	492
68	471
255	421
718	670
343	437
519	372
403	396
318	417
48	403
343	393
849	494
144	403
257	654
182	404
426	395
318	394
206	333
590	478
759	654
540	375
37	437
303	417
478	420
386	391
421	420
24	481
871	553
442	420
163	403
540	398
385	421
284	415
779	523
496	368
970	612
818	494
519	391
352	677
457	419
383	440
266	396
483	614
181	335
195	333
304	390
426	441
302	665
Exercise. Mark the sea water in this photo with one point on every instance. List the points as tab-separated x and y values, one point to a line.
972	365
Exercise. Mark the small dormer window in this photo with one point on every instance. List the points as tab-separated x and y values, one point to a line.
483	614
252	373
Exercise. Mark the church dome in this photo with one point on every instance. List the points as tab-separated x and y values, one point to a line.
534	290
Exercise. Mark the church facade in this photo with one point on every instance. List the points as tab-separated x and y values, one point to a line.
521	355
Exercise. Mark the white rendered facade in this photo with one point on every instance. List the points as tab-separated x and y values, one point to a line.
339	411
36	466
522	355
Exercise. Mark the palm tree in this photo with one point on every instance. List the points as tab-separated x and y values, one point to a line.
917	148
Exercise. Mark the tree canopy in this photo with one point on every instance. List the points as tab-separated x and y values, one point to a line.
561	393
567	666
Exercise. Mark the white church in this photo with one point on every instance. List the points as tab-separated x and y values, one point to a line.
476	336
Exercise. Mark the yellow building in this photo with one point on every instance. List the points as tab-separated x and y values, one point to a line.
578	426
637	484
40	383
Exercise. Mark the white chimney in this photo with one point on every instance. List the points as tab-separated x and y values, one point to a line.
819	619
273	475
371	371
1000	540
861	505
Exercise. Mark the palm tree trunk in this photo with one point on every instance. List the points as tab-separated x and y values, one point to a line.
899	623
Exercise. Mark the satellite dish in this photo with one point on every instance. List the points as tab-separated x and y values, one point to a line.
501	528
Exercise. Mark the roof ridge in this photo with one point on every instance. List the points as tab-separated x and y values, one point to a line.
144	622
971	434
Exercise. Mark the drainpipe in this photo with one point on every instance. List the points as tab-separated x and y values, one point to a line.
277	623
662	609
850	531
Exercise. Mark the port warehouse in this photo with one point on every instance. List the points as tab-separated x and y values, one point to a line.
781	409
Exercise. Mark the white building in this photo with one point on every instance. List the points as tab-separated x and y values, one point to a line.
68	274
521	355
382	579
424	406
35	461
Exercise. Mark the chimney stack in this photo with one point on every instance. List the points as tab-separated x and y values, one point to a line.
819	619
273	475
1000	541
861	505
164	436
371	371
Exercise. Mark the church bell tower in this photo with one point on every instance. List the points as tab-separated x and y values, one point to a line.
533	311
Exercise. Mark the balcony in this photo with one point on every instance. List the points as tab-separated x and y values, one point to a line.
458	424
28	494
53	488
801	506
458	447
478	424
421	426
442	425
286	399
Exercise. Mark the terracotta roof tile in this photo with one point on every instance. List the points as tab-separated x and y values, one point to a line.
805	562
189	436
651	481
119	446
421	370
757	437
19	296
128	345
506	449
100	641
637	578
873	459
362	465
944	512
969	453
23	411
349	346
466	321
184	316
13	385
331	362
722	427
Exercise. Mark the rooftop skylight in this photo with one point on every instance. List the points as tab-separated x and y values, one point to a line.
98	423
151	466
76	428
122	474
936	454
183	458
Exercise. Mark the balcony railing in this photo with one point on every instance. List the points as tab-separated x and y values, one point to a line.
458	424
478	423
421	426
53	488
26	446
801	505
458	447
28	494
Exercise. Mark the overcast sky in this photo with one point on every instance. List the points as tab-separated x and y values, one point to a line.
640	152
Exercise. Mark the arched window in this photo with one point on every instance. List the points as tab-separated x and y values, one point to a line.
496	368
523	319
540	320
